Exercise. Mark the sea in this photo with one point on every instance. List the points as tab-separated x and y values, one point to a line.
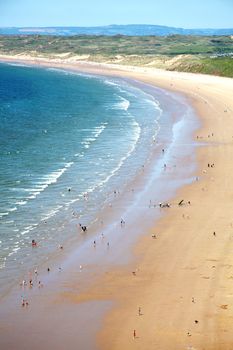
68	142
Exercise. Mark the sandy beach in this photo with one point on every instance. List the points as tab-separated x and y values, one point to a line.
180	294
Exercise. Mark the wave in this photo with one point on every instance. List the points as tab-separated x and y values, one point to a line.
70	72
9	222
14	251
2	265
4	214
111	83
40	186
17	64
96	133
28	229
123	104
47	180
20	202
122	160
51	213
118	86
52	178
99	129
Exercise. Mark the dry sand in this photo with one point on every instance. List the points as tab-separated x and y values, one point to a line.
184	283
184	277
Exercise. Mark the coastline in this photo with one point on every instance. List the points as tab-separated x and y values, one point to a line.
178	265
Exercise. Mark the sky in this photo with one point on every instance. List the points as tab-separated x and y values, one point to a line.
174	13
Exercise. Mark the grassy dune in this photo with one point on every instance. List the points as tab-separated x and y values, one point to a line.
205	54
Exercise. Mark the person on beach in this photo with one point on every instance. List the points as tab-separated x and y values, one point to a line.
24	302
134	333
83	227
94	243
139	311
34	243
122	222
24	283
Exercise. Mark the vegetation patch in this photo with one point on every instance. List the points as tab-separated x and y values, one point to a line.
199	54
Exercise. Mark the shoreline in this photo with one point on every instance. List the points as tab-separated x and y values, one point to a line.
125	198
158	274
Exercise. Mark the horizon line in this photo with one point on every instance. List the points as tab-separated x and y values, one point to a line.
110	25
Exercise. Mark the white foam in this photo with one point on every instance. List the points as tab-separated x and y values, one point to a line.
2	265
99	129
16	248
27	229
17	64
20	203
122	104
89	140
24	232
12	209
111	83
48	180
123	159
51	213
40	186
121	162
4	214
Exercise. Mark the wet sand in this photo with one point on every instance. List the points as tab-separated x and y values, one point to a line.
182	279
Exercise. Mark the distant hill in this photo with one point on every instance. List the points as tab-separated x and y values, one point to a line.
131	30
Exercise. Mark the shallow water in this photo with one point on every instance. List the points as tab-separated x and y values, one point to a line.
135	179
67	142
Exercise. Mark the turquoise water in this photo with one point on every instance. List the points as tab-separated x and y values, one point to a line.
67	142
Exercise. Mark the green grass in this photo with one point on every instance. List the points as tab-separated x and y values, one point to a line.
164	52
222	66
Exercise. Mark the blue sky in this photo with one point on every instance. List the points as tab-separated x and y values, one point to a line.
177	13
